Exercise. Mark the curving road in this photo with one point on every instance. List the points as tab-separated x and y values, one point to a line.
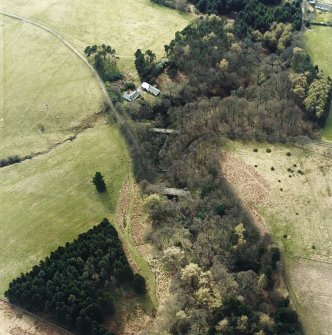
119	119
67	44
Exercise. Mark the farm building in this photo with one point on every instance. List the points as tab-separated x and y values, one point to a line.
131	96
323	6
150	89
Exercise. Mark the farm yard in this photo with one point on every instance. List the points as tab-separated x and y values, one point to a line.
288	192
318	43
125	25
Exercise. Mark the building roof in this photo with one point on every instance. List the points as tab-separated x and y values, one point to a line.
323	6
145	86
131	96
153	90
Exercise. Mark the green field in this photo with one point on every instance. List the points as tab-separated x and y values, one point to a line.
318	43
50	199
47	94
296	209
125	25
46	91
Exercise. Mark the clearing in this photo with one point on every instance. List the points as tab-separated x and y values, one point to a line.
125	25
290	196
318	43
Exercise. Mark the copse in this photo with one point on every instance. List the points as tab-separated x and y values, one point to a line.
74	286
98	181
104	60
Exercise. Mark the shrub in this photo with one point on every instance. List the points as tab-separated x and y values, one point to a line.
272	168
289	154
285	235
129	85
255	150
139	284
268	150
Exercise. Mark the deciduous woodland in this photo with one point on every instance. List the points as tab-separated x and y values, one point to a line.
225	276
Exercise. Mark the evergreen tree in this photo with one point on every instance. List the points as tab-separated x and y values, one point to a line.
99	182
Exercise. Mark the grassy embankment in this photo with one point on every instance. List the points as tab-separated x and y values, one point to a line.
296	209
318	42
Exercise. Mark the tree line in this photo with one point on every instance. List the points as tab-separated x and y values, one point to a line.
75	285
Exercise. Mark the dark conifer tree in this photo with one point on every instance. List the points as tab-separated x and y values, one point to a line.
99	182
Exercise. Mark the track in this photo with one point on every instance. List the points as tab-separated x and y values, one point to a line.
63	40
107	100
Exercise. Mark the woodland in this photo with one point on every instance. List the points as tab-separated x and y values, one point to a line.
242	77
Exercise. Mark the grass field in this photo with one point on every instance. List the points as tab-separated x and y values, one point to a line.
45	90
50	199
48	94
125	25
325	17
318	43
297	209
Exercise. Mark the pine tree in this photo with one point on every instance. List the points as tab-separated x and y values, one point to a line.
99	182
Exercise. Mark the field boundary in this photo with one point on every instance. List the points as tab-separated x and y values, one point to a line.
107	100
37	317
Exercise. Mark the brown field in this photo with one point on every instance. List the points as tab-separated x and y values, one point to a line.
297	210
15	321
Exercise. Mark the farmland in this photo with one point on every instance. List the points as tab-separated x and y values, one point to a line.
125	25
47	92
13	320
52	110
50	199
295	207
318	43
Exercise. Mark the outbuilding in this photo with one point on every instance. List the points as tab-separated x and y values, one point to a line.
323	6
131	96
153	90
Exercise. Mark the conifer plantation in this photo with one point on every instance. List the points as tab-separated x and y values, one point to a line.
75	285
